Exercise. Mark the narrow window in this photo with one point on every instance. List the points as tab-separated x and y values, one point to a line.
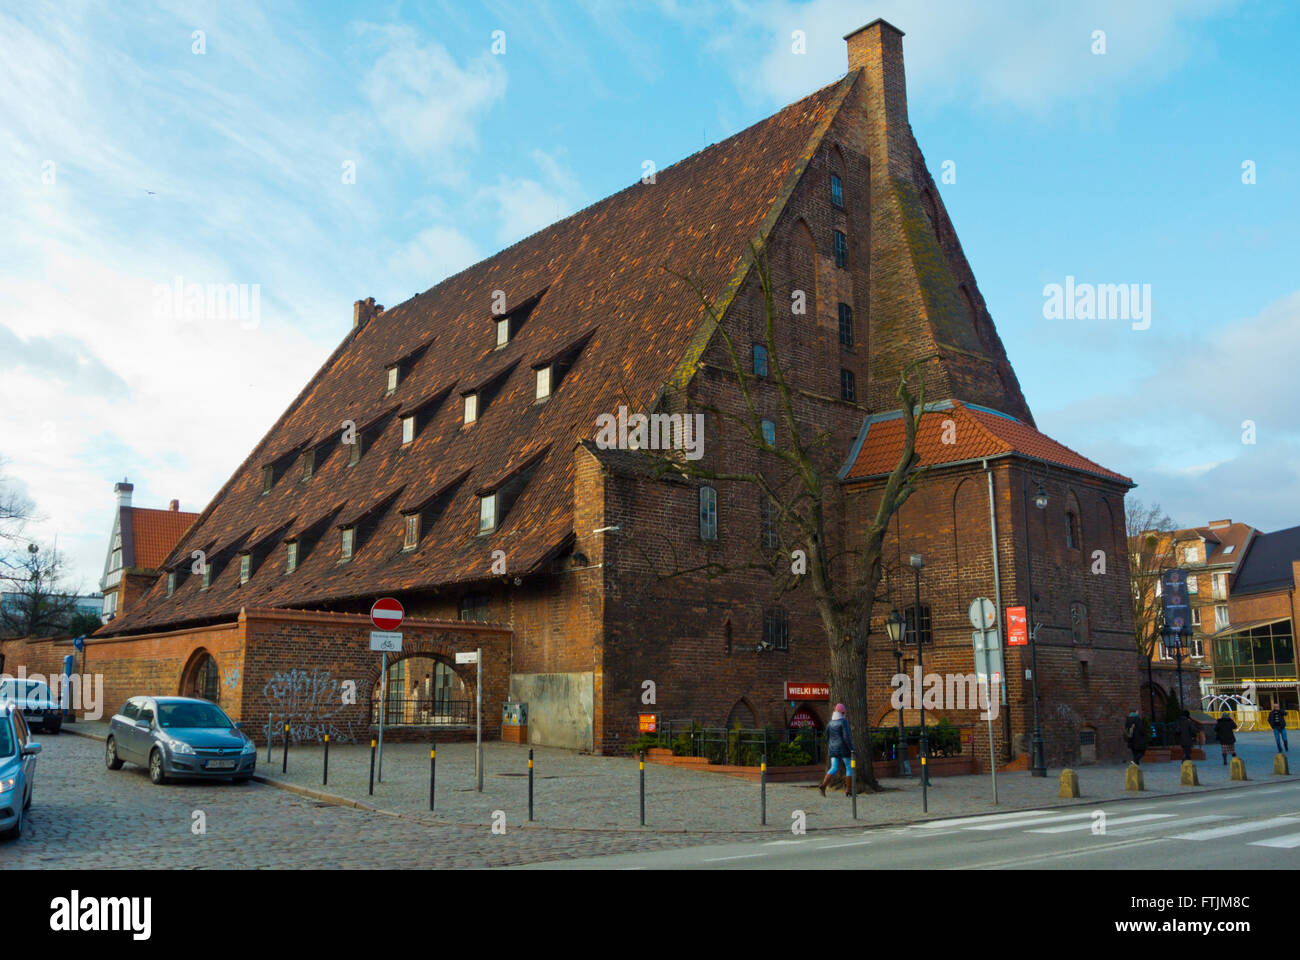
848	386
394	374
760	360
846	325
412	532
207	575
841	249
708	513
408	429
354	454
837	191
171	583
268	478
308	463
245	567
543	382
503	331
291	557
1071	530
487	513
776	629
471	407
767	523
910	622
769	433
345	546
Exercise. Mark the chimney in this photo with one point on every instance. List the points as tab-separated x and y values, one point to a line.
1219	524
363	311
123	491
175	506
877	50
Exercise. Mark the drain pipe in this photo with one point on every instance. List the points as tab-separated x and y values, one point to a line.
997	598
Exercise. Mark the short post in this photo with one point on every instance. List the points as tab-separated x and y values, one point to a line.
372	766
762	791
433	771
284	764
530	785
325	776
643	788
853	781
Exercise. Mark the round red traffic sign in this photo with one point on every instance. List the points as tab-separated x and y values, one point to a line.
387	614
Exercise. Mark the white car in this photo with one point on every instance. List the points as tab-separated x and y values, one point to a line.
34	700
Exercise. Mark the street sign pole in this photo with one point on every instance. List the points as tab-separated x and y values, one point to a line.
478	709
984	618
386	614
383	699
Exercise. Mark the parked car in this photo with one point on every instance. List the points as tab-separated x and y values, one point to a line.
17	767
33	698
179	737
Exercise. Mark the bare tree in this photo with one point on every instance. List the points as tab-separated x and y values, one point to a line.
16	511
36	600
798	487
1151	550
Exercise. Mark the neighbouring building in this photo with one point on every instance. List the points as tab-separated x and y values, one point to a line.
141	539
446	454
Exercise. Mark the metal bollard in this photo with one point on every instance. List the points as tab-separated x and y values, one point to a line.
325	776
530	785
372	767
284	764
853	782
433	771
643	788
762	791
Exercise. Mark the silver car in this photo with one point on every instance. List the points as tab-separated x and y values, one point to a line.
179	737
17	766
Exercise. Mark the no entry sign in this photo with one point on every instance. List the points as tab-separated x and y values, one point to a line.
387	614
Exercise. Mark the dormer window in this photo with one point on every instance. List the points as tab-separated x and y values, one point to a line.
408	429
308	463
487	513
503	331
394	375
544	382
471	407
291	556
245	567
345	544
354	451
171	583
207	575
268	478
412	538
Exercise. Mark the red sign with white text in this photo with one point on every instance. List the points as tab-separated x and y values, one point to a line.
647	723
807	691
1017	627
804	718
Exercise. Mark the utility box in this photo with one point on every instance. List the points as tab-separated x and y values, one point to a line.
514	721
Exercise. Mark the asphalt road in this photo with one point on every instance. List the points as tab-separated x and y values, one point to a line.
1251	828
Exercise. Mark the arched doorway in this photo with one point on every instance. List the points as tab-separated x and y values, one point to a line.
423	691
202	677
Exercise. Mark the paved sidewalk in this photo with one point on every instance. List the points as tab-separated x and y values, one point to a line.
574	791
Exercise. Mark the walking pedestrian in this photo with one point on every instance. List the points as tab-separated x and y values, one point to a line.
1135	732
1188	731
839	747
1223	728
1277	720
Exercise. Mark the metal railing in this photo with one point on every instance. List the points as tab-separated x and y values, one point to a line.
423	713
745	746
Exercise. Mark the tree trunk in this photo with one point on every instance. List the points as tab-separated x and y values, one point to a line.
849	686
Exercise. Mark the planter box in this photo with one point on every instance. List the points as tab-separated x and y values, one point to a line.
514	734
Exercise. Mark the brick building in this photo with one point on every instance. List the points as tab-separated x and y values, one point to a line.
447	453
140	542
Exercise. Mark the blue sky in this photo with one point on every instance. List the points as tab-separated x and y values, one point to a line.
132	159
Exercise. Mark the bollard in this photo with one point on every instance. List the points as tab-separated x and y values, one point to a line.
284	764
1133	778
1187	775
372	767
853	782
433	771
1069	784
530	785
762	792
1280	767
325	777
643	788
1237	769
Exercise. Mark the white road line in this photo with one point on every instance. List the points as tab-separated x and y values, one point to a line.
1040	821
747	856
836	846
1236	828
1284	843
1110	822
1182	822
779	843
965	821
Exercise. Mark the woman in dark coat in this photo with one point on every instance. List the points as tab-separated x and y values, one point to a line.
1187	733
1223	728
839	747
1135	732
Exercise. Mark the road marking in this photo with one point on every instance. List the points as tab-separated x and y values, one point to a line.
1284	843
836	846
778	843
1248	827
1113	822
965	821
747	856
1010	824
1182	822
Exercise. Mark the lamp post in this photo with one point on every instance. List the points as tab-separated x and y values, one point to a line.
1038	767
894	627
917	563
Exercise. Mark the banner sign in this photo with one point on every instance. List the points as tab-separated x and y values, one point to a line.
1177	608
1017	627
647	723
807	691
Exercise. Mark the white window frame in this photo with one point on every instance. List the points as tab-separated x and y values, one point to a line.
487	513
394	378
408	429
503	332
291	557
544	382
1220	621
347	543
471	408
411	537
171	582
1192	585
245	568
708	510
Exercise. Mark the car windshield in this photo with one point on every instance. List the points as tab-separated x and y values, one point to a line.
23	689
192	715
6	737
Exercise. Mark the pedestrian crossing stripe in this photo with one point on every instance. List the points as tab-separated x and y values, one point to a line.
1110	822
1285	843
1250	826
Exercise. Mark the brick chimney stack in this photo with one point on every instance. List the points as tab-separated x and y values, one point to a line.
175	506
363	311
877	50
123	491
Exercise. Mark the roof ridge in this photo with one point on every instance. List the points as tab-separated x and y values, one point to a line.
1007	446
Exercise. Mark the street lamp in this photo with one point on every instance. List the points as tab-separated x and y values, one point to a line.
917	563
894	627
1038	767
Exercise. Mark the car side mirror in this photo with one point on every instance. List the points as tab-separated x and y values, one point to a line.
31	750
239	724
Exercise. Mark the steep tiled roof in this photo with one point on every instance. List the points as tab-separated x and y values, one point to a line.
975	433
598	280
1268	564
154	534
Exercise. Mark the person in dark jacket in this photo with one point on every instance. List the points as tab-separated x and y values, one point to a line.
1223	728
1188	733
1135	733
1277	720
839	747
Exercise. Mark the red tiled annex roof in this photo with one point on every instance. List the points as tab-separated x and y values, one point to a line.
974	432
599	273
156	533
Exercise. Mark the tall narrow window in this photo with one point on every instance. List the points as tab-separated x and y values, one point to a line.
760	360
848	386
487	513
412	532
408	429
471	407
837	191
503	331
841	249
171	583
268	478
207	575
308	463
769	433
910	622
846	325
1072	530
245	567
708	513
291	556
776	629
345	545
767	523
354	452
543	382
393	375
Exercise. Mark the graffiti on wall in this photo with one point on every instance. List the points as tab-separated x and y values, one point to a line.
311	702
232	678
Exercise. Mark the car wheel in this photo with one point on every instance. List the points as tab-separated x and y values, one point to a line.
53	728
28	805
14	832
156	767
111	759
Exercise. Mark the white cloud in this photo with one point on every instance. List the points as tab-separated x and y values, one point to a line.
525	205
431	256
